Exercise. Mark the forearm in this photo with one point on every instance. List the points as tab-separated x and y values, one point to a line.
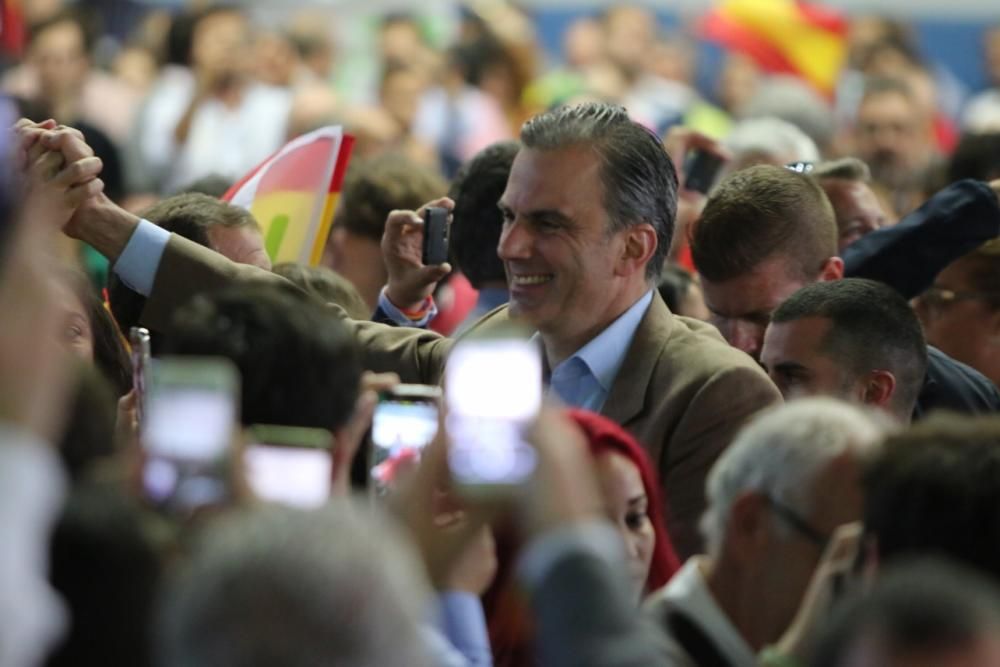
105	226
909	255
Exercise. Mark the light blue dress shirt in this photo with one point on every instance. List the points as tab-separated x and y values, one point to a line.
584	380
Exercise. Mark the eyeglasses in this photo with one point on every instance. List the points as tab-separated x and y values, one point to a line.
941	296
797	523
800	167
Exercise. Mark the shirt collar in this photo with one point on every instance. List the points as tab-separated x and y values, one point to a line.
688	592
605	353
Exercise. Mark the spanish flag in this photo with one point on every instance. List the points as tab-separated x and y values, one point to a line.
783	37
293	194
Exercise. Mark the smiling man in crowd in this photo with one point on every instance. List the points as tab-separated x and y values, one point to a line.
589	212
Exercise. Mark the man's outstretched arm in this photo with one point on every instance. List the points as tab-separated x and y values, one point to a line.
909	255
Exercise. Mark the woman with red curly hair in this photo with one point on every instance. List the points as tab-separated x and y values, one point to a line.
631	496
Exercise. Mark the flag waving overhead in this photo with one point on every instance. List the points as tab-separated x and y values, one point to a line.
783	36
293	194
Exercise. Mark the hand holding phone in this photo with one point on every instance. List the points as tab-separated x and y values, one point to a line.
188	431
435	247
413	270
494	392
290	465
405	421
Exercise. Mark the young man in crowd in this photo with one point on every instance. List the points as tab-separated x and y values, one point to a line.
852	339
765	233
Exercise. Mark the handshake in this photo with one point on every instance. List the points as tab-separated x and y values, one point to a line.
60	173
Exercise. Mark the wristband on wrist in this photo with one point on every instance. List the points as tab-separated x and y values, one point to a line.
420	312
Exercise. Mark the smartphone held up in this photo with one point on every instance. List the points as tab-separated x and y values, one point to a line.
290	465
493	389
435	248
189	426
404	423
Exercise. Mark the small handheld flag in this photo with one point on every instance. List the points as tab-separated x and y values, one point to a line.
293	194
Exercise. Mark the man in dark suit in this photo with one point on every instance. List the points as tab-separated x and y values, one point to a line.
589	212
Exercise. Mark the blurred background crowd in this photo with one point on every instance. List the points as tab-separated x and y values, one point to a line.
851	146
171	92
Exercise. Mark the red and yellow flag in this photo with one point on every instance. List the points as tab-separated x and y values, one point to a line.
293	194
783	37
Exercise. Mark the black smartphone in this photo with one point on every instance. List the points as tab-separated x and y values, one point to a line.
435	236
701	169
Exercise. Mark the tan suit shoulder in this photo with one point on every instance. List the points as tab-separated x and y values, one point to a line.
684	392
187	268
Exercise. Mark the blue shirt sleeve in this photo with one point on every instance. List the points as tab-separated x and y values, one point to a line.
464	624
387	311
139	261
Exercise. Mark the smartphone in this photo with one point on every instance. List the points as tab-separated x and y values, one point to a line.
139	341
435	236
191	415
405	421
290	465
493	390
701	169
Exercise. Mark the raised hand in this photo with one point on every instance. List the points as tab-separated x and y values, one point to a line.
60	173
410	281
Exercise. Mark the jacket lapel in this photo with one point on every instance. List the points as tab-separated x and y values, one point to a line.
628	392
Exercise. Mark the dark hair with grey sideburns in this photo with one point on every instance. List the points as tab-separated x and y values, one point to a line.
639	179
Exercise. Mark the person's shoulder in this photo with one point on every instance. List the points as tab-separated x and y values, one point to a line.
498	317
699	344
953	384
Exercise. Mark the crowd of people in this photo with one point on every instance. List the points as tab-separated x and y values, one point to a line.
769	433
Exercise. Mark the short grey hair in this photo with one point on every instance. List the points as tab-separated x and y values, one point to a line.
793	101
772	137
845	169
640	184
781	452
280	586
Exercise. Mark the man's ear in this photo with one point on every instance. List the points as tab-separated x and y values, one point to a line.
879	389
832	269
639	247
748	526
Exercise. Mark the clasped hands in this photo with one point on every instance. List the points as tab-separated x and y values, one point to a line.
60	173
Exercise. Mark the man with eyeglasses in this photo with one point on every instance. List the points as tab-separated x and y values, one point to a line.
775	498
961	311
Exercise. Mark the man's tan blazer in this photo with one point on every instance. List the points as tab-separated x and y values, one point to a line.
682	390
